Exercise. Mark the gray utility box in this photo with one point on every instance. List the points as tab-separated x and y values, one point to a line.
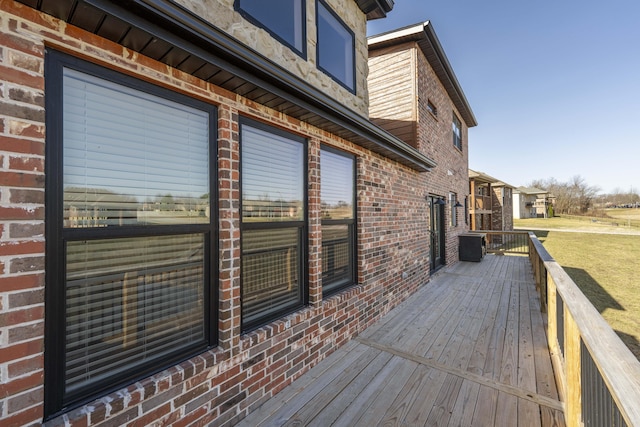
473	246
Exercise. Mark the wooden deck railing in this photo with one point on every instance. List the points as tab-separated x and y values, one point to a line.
506	242
597	375
481	203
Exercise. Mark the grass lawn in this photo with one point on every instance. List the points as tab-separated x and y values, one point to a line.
573	223
606	267
628	214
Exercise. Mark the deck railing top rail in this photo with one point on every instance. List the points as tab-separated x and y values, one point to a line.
583	328
506	242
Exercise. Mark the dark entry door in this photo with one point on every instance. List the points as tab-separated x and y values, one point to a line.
436	230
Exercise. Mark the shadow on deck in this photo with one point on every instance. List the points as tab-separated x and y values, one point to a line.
467	349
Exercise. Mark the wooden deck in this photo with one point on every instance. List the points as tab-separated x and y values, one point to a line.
468	349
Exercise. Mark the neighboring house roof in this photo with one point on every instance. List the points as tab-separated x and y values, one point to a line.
426	38
503	184
529	190
164	31
481	177
484	178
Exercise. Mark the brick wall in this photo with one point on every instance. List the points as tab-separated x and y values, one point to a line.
21	224
393	106
502	206
435	139
220	385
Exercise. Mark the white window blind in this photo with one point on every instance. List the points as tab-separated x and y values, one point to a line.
336	193
129	301
337	189
272	177
273	192
131	158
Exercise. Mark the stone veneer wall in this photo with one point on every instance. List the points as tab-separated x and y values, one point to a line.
219	386
222	15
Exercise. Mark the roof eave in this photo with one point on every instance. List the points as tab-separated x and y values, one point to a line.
167	21
425	36
375	9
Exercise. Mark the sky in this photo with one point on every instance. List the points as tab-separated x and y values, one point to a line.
553	84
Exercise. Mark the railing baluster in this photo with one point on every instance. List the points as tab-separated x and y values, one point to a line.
598	376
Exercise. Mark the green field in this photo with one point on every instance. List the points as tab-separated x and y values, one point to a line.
606	267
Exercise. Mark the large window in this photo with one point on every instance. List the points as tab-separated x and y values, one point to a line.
273	223
335	47
457	132
283	19
129	231
337	183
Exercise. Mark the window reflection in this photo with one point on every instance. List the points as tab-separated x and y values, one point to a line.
337	192
272	177
273	223
336	47
131	158
284	19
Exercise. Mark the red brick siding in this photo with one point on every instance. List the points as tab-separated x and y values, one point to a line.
219	386
433	133
502	211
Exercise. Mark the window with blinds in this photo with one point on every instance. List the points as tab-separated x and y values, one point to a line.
129	230
273	167
337	198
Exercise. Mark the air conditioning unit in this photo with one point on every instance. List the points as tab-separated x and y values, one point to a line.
472	246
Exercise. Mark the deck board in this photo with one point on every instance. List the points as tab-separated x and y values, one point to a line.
467	349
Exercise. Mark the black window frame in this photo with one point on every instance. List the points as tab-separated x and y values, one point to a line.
329	289
431	107
353	47
258	22
56	401
456	124
300	225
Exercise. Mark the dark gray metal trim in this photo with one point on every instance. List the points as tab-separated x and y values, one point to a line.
375	9
176	26
263	73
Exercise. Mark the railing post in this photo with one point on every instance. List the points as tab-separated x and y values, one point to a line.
573	409
552	338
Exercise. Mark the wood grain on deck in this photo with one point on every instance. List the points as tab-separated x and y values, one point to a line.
467	349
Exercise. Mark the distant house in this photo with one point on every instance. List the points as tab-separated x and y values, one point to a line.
218	212
415	95
491	203
531	202
502	201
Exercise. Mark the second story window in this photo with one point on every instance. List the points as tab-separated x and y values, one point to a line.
283	19
432	108
336	47
457	132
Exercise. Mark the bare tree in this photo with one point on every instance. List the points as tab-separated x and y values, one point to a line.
575	196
